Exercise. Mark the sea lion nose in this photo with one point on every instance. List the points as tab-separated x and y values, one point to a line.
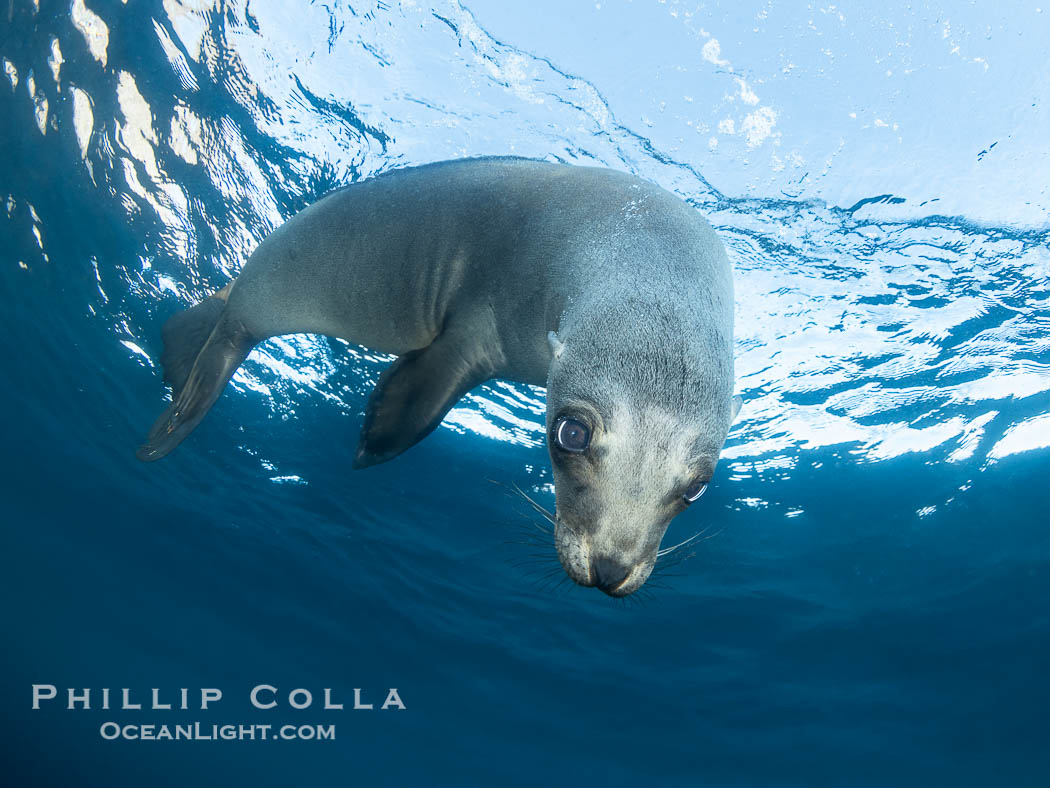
609	573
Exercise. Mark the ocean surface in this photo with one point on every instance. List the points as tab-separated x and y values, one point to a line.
869	604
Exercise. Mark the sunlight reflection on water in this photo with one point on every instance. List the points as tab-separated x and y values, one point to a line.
854	329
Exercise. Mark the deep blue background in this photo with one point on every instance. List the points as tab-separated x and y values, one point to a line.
853	644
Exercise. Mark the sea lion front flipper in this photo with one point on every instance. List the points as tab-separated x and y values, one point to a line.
416	391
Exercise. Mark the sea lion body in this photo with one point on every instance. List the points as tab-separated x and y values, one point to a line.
392	260
587	281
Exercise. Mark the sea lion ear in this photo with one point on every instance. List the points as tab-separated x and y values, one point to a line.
557	346
738	403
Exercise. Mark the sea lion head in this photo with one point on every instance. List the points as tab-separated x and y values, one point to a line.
639	403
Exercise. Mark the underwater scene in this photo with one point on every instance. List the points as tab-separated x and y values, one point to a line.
860	598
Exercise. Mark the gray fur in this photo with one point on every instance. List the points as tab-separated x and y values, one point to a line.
611	292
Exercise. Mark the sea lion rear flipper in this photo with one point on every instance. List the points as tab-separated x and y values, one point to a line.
415	393
197	380
185	333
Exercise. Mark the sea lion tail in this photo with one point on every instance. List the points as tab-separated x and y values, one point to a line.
203	347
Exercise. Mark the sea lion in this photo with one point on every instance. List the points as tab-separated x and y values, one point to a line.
610	291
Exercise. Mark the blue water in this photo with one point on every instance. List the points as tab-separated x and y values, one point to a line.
870	602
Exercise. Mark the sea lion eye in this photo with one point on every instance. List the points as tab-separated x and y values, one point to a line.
694	491
572	435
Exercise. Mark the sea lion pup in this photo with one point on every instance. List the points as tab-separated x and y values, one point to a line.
610	291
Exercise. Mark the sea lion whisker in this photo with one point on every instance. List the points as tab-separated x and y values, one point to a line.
543	554
543	579
535	562
530	537
550	582
663	568
669	550
531	531
647	594
674	559
541	528
547	514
